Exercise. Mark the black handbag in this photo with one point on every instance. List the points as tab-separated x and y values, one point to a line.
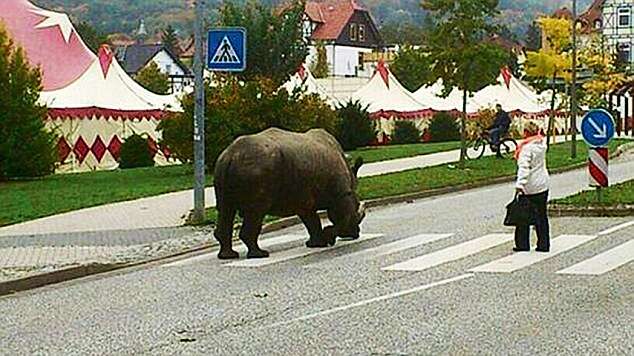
518	212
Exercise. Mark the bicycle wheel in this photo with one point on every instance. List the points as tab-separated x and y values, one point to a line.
475	148
507	147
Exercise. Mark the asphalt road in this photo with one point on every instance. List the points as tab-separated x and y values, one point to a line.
410	290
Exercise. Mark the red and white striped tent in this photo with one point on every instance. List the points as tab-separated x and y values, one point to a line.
93	104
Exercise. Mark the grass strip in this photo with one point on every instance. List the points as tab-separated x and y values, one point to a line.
31	199
620	194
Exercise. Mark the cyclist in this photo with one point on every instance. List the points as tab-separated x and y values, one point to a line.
499	129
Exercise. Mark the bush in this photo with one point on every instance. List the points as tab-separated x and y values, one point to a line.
405	132
356	129
235	108
443	128
27	148
135	153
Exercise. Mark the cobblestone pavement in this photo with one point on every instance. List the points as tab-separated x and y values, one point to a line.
28	255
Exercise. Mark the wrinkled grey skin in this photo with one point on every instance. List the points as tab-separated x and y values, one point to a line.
281	173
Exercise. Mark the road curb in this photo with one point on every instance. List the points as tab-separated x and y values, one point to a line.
557	210
68	274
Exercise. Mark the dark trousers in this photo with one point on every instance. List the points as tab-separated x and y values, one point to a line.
539	214
495	136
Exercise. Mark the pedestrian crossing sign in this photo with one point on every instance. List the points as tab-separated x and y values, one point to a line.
227	49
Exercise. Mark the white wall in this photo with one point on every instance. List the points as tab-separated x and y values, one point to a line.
346	59
168	66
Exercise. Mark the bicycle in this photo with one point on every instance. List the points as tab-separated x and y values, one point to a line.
477	146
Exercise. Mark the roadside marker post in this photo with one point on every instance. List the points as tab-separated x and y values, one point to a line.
598	129
226	52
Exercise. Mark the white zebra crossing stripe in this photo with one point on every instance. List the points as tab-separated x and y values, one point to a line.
298	253
394	247
604	262
264	244
452	253
521	260
617	228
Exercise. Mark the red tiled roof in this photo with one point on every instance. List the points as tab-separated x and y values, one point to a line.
563	13
592	15
332	16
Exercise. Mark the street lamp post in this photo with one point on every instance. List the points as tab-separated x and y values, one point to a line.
199	115
573	92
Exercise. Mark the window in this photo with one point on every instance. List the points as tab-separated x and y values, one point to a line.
624	53
353	32
361	33
625	14
598	24
168	69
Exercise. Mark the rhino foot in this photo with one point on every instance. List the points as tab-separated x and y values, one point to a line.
228	255
257	254
329	235
313	243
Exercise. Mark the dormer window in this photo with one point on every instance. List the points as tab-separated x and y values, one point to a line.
361	33
353	32
625	16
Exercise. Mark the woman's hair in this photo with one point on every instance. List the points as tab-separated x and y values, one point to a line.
532	128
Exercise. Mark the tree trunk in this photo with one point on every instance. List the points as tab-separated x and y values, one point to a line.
463	131
551	115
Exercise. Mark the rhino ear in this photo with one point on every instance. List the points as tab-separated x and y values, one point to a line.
357	165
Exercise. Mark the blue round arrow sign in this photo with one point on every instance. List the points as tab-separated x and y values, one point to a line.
597	128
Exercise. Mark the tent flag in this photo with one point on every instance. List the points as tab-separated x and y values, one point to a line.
506	74
385	74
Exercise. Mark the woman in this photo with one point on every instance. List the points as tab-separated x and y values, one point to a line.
533	184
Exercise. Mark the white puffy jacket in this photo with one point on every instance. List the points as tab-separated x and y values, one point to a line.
532	174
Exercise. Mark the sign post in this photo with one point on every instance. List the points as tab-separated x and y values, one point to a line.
199	118
597	129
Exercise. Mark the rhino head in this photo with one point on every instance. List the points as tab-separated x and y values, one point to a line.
348	212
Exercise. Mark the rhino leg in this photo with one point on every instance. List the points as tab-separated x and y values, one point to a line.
249	233
313	225
224	234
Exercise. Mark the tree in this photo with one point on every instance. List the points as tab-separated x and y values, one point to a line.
275	47
459	52
27	148
235	108
152	79
135	153
170	40
405	132
533	37
403	32
605	76
551	62
319	67
412	67
91	37
356	128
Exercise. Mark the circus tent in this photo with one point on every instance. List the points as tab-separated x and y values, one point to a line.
93	104
386	97
305	81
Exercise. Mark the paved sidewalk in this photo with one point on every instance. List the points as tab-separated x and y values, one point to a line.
171	210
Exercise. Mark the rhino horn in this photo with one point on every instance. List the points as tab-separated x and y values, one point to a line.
361	212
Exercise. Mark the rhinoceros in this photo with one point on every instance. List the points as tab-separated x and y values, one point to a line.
282	173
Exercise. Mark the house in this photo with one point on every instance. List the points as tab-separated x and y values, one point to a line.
612	19
137	56
346	30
